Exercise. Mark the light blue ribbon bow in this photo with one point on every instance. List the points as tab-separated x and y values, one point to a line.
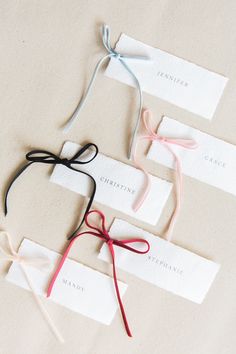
122	59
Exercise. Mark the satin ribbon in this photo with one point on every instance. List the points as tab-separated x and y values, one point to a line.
112	53
151	135
46	157
102	233
40	263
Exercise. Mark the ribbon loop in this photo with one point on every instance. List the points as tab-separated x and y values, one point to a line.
9	250
103	234
90	149
112	53
124	244
102	231
42	156
106	37
38	262
185	143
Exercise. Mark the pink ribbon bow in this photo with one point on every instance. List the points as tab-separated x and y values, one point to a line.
39	263
166	142
103	234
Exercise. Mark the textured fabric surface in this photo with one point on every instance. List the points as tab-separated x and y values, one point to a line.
48	52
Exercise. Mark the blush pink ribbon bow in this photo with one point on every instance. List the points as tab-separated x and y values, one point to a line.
37	262
151	135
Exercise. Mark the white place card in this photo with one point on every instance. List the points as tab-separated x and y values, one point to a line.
168	77
213	162
118	185
79	288
166	265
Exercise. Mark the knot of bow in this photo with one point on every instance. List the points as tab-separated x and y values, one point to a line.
102	233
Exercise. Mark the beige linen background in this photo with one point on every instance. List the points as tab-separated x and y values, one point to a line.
48	51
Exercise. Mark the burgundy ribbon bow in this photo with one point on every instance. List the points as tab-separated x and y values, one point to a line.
103	234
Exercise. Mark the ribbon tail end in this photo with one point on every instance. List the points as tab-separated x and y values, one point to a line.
49	290
129	334
130	153
71	236
66	128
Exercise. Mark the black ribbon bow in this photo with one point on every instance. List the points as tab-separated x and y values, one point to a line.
43	156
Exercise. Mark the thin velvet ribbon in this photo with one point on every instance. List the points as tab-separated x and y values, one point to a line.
40	263
112	53
151	135
46	157
102	233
